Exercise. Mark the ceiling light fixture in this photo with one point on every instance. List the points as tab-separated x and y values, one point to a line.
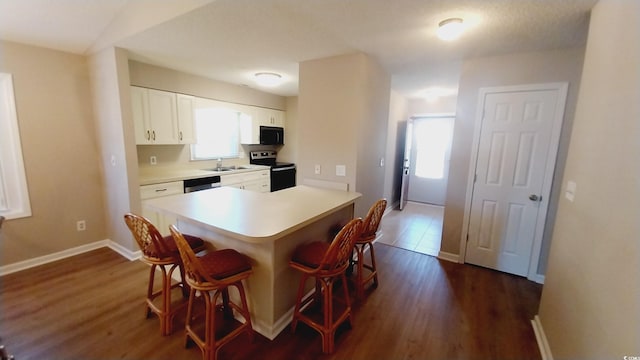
450	29
268	79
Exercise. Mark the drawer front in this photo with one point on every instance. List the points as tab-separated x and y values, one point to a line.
226	180
159	190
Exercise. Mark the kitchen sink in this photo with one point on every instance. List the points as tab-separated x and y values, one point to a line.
230	168
224	168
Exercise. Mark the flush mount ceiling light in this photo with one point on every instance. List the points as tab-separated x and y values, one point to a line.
450	29
268	79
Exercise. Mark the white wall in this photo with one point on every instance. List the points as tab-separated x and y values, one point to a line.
590	306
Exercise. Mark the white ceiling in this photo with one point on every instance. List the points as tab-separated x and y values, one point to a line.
229	40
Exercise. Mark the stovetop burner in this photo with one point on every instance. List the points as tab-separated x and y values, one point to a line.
267	158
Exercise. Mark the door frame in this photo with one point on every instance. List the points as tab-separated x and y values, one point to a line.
413	118
561	88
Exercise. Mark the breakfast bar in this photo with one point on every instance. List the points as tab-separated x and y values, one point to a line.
266	227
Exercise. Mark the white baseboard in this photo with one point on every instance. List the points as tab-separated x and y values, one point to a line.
538	278
390	208
130	255
449	256
41	260
541	339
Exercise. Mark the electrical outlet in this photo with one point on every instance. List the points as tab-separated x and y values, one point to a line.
81	225
113	160
317	169
153	160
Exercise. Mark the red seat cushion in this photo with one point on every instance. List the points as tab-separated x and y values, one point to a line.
221	264
310	254
193	241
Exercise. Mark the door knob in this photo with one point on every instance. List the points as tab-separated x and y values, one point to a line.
534	197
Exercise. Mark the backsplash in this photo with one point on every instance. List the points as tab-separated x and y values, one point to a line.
179	156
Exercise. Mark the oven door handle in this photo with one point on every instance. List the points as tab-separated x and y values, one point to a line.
284	168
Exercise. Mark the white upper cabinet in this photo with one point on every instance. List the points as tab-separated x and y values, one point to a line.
185	132
162	117
270	117
253	117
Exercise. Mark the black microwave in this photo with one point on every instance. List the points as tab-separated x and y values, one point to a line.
271	135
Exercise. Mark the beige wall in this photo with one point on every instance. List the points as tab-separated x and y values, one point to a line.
516	69
590	304
396	128
372	134
289	152
115	138
443	105
52	93
343	109
160	78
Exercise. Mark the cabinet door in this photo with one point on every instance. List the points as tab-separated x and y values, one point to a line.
163	117
160	221
249	125
274	117
185	131
140	112
257	186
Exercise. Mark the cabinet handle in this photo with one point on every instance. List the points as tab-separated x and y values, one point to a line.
161	190
180	136
154	134
148	135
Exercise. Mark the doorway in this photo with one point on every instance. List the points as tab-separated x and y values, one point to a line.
417	225
513	160
429	159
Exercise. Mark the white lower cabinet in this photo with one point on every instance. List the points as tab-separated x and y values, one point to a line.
259	181
160	221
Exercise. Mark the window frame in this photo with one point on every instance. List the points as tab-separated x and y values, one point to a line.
213	105
14	192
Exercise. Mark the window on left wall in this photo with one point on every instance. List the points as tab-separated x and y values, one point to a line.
14	194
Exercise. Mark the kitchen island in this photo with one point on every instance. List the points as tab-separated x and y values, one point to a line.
266	227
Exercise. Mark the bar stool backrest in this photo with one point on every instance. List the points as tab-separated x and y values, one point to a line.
372	220
338	255
147	236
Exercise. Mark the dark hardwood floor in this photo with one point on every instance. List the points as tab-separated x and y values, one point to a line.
91	307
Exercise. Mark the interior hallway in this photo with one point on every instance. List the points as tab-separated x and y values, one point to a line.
418	227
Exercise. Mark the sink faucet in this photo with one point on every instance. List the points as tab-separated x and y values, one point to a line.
219	165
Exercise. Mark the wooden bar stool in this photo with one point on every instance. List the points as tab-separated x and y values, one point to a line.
370	227
214	273
326	263
160	252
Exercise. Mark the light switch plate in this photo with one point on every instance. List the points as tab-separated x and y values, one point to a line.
570	191
341	170
317	169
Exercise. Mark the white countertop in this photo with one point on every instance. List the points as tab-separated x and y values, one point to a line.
160	175
252	216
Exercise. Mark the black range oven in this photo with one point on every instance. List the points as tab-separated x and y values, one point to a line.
283	175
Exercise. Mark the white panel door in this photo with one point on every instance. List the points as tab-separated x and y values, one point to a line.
515	146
